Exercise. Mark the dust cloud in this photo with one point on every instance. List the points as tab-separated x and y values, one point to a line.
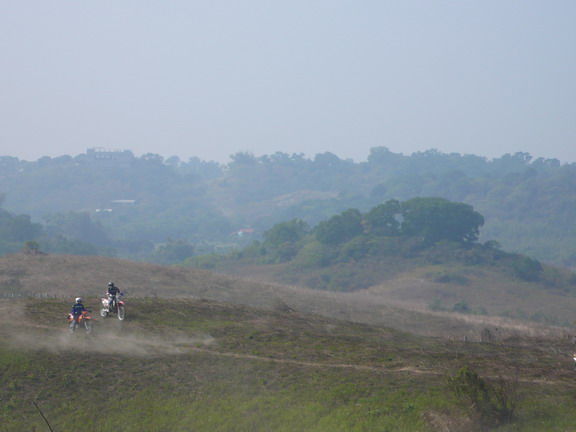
107	337
131	344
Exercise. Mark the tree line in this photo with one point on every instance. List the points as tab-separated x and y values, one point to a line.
164	209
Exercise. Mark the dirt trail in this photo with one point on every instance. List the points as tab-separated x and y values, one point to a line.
109	337
295	362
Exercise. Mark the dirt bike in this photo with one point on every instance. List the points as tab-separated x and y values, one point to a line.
117	307
82	320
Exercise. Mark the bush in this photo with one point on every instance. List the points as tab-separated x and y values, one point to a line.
451	278
462	307
489	403
527	268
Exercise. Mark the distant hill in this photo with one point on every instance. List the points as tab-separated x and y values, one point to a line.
167	210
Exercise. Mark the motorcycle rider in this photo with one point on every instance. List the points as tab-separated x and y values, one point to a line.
113	291
76	311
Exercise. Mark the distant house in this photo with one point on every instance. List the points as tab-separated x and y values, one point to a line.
123	202
244	231
99	156
116	204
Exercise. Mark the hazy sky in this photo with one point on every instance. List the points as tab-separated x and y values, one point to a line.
214	77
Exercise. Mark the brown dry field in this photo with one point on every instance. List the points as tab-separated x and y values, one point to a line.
70	276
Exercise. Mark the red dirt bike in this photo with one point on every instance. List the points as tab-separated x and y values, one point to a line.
83	321
117	306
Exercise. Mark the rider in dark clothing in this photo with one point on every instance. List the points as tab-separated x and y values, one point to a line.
113	291
76	311
77	308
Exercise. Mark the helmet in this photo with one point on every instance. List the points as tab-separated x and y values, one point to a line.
78	299
110	284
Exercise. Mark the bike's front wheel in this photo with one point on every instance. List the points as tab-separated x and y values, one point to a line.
88	326
121	313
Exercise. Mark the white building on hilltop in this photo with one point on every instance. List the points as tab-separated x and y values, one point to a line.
112	158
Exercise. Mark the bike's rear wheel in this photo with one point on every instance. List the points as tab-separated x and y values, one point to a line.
121	313
103	311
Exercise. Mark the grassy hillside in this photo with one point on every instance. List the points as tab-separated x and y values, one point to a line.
194	364
207	352
402	301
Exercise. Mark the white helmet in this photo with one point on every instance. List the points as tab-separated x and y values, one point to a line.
78	299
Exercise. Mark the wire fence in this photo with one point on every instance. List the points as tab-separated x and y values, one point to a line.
51	295
21	295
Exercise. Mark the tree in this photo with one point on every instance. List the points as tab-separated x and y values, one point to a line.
340	228
79	226
290	231
18	228
436	219
152	159
527	268
384	219
327	160
282	238
32	246
243	158
174	251
173	161
380	155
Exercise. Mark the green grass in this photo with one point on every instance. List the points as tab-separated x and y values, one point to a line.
198	365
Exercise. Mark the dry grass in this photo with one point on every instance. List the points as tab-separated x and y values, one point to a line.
496	294
392	305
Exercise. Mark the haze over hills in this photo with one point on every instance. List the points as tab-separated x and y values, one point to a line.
165	210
